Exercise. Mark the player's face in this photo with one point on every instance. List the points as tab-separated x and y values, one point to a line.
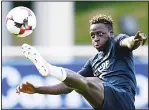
99	35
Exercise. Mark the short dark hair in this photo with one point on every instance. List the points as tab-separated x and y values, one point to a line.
102	18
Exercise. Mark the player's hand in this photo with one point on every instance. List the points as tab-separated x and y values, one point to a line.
26	88
140	37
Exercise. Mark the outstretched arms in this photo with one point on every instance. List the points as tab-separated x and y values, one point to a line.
134	42
53	90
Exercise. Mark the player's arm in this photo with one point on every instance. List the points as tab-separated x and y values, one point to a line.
53	90
134	42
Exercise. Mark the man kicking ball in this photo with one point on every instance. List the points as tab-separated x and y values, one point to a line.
107	81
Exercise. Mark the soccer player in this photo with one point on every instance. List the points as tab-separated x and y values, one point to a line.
107	80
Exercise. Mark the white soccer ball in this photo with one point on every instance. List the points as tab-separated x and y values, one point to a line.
21	21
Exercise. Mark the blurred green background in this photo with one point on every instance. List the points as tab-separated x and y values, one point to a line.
85	10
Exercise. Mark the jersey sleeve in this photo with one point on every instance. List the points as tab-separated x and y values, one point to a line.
86	70
120	50
119	38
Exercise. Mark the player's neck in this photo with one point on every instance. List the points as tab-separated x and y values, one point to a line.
106	47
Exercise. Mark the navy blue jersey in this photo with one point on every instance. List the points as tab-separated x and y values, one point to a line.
115	65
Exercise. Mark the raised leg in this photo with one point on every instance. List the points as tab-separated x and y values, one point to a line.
91	88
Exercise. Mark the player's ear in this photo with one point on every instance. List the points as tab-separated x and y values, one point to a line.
111	34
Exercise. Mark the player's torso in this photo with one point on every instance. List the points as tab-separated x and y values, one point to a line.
111	62
115	66
102	62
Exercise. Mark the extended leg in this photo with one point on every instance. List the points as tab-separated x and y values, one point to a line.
91	88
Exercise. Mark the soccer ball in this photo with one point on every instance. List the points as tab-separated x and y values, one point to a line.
21	21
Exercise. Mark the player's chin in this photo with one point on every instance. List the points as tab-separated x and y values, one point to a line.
99	48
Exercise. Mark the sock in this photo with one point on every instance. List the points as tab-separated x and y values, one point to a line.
58	72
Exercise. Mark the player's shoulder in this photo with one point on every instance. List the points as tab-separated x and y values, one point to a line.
94	57
119	37
91	60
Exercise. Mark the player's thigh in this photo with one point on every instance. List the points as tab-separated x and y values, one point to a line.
95	92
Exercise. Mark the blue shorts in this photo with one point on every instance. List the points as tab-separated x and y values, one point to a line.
116	99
